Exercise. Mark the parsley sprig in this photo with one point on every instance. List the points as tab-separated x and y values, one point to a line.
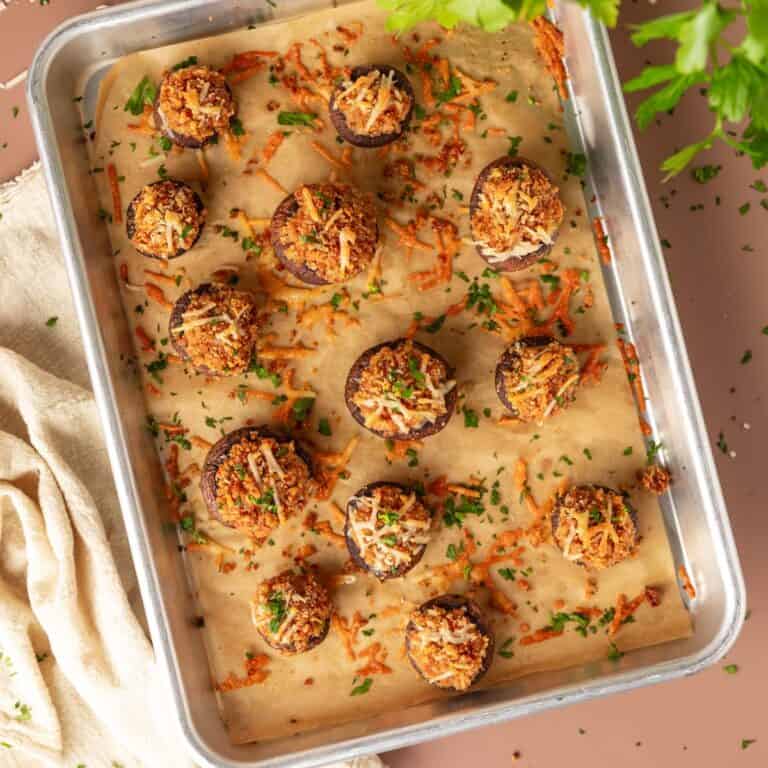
736	89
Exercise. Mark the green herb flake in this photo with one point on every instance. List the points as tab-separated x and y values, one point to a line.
144	93
51	321
297	118
324	427
364	687
731	669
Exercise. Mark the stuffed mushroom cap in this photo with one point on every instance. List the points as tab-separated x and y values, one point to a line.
515	213
448	642
254	478
292	612
215	328
401	390
387	529
325	233
194	104
372	107
165	219
594	526
537	377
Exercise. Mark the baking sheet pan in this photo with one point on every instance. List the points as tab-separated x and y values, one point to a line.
716	610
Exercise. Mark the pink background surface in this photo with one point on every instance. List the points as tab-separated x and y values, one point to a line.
719	286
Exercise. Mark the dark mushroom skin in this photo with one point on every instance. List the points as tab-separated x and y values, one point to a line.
353	383
218	454
362	140
284	212
131	224
512	263
506	363
304	581
475	614
353	548
557	510
177	318
177	137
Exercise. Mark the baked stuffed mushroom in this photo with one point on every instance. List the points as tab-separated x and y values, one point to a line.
594	526
401	390
372	107
387	529
215	328
253	479
515	213
194	104
537	377
292	612
165	219
449	643
325	233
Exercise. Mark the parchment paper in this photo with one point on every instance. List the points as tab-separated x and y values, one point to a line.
603	419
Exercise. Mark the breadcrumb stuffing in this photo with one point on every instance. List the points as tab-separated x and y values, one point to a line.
655	479
194	103
373	104
447	646
292	611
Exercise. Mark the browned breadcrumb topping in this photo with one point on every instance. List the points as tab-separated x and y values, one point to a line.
373	104
594	526
292	611
446	646
218	330
333	232
401	389
655	479
519	211
166	219
261	483
541	380
195	102
390	527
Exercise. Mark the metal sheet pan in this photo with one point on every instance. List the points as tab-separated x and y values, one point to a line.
73	60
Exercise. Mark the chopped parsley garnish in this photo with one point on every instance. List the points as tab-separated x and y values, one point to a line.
188	62
614	654
746	357
508	574
154	368
51	321
415	370
236	126
628	450
558	622
302	407
324	427
144	93
413	457
653	451
514	145
721	444
704	173
731	669
364	687
278	609
481	297
435	325
453	552
747	742
576	164
454	513
471	419
453	90
505	649
297	118
511	97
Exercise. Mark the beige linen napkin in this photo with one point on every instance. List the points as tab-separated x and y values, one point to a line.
78	684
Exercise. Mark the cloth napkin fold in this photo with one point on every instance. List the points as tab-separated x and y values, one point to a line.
78	683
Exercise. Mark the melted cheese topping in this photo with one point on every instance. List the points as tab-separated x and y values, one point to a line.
447	646
218	330
390	527
519	211
333	231
540	379
292	611
166	219
373	104
594	526
401	389
195	102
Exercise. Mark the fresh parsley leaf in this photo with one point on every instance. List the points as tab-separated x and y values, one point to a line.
364	687
190	61
297	118
144	93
